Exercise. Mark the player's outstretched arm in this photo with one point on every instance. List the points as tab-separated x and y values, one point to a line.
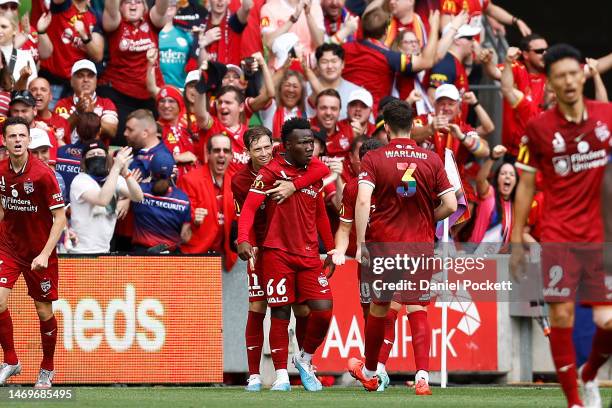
59	223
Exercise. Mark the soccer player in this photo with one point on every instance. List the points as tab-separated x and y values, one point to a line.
33	219
345	241
569	145
292	269
258	141
406	181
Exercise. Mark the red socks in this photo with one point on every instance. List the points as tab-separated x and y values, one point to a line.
48	336
254	337
318	323
374	336
385	348
301	325
421	338
6	338
279	342
562	348
601	350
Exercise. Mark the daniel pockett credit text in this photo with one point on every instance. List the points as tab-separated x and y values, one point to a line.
423	272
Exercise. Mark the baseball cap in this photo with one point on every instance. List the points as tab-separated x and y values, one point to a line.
162	166
465	30
23	97
361	95
192	76
281	47
447	91
9	1
96	144
236	69
83	64
40	138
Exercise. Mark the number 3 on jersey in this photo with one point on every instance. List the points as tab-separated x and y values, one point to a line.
407	188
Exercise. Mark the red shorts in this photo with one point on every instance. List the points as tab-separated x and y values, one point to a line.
42	284
293	279
255	279
575	273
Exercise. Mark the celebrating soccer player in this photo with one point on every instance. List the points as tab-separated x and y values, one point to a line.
569	144
33	218
292	270
406	181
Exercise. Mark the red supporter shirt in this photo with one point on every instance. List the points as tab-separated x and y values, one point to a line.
339	142
370	64
69	46
241	184
126	71
31	44
475	9
103	107
572	158
290	225
177	140
28	197
250	42
407	181
56	125
241	155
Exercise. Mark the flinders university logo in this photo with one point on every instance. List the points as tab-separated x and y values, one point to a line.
408	186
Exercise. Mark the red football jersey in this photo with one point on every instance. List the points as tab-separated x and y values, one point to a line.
407	180
27	200
61	32
572	158
370	64
290	225
475	9
241	184
126	71
103	107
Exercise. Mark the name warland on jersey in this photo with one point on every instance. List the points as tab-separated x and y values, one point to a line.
405	154
18	204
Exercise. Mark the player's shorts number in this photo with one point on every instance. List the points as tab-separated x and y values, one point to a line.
555	274
281	289
254	282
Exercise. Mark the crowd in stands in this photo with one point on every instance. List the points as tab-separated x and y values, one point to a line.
140	106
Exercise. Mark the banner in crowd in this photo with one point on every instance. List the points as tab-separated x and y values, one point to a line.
128	320
472	330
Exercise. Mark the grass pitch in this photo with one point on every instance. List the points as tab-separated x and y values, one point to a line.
350	397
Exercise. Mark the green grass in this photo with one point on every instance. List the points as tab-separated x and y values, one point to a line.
229	397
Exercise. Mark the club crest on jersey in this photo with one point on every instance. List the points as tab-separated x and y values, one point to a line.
602	132
323	281
28	187
45	285
558	143
561	165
